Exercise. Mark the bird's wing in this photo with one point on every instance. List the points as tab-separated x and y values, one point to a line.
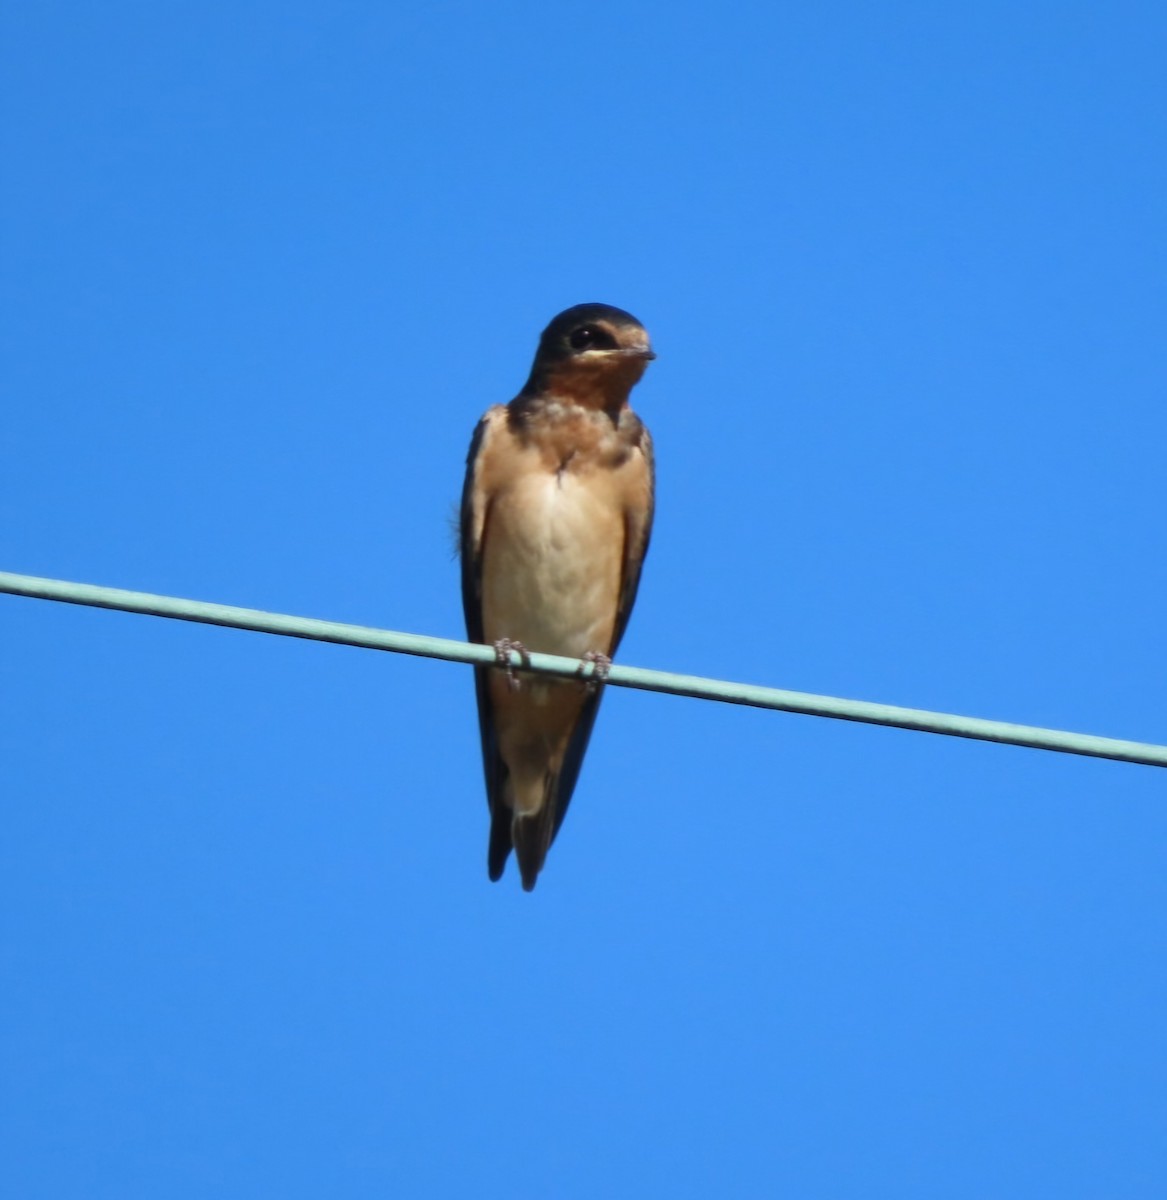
638	514
474	525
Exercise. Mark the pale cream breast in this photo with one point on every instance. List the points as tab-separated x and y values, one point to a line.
552	562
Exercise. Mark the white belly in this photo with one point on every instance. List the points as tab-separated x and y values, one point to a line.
551	567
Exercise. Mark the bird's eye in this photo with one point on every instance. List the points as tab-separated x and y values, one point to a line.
592	337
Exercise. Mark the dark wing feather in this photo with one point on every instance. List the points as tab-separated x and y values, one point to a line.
469	547
637	535
494	769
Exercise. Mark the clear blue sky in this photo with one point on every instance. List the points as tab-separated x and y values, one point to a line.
264	265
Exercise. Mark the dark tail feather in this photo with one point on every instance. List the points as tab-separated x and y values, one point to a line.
532	836
499	847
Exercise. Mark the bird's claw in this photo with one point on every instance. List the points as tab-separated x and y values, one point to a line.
600	665
503	649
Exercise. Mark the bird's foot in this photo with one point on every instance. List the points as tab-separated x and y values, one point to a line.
600	665
503	649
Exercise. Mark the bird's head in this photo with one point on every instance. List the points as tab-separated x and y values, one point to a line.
590	351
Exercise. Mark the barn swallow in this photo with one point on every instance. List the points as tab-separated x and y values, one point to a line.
556	516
